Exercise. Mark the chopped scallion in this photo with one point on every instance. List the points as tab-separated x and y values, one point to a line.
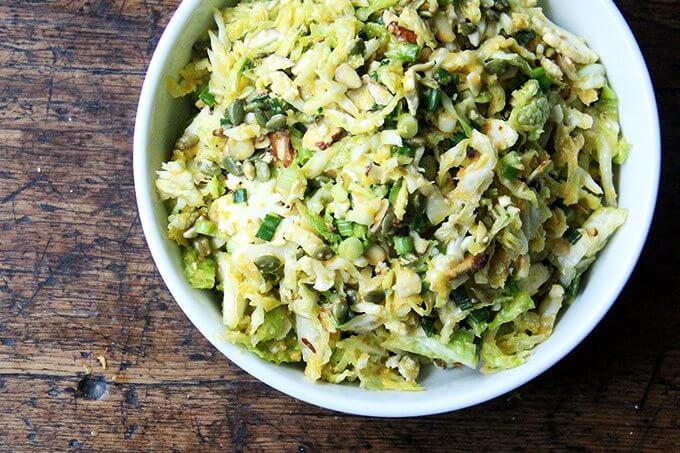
404	151
345	228
542	78
428	326
433	99
524	37
351	249
572	235
462	299
403	245
240	196
268	227
207	97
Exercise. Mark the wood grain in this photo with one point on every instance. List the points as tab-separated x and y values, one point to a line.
77	281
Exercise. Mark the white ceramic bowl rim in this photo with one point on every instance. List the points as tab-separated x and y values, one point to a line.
396	405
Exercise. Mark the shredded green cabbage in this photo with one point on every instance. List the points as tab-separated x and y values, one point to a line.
418	183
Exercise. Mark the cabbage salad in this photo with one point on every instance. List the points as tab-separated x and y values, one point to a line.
376	186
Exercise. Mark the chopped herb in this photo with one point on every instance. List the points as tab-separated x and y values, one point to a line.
268	227
207	97
428	326
572	235
524	37
240	196
542	78
403	245
462	299
421	224
345	228
458	137
433	99
572	289
404	151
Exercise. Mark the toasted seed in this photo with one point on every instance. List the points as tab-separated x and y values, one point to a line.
268	264
276	122
241	149
375	297
254	106
256	96
275	276
348	76
232	166
249	170
236	112
208	167
340	310
322	252
260	118
262	171
186	141
375	255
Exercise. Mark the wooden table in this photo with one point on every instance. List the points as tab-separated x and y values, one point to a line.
77	281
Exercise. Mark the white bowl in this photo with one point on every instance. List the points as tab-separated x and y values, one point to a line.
159	118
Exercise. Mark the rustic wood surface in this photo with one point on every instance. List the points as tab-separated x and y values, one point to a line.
77	281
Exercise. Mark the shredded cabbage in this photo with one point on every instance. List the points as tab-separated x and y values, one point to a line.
378	186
